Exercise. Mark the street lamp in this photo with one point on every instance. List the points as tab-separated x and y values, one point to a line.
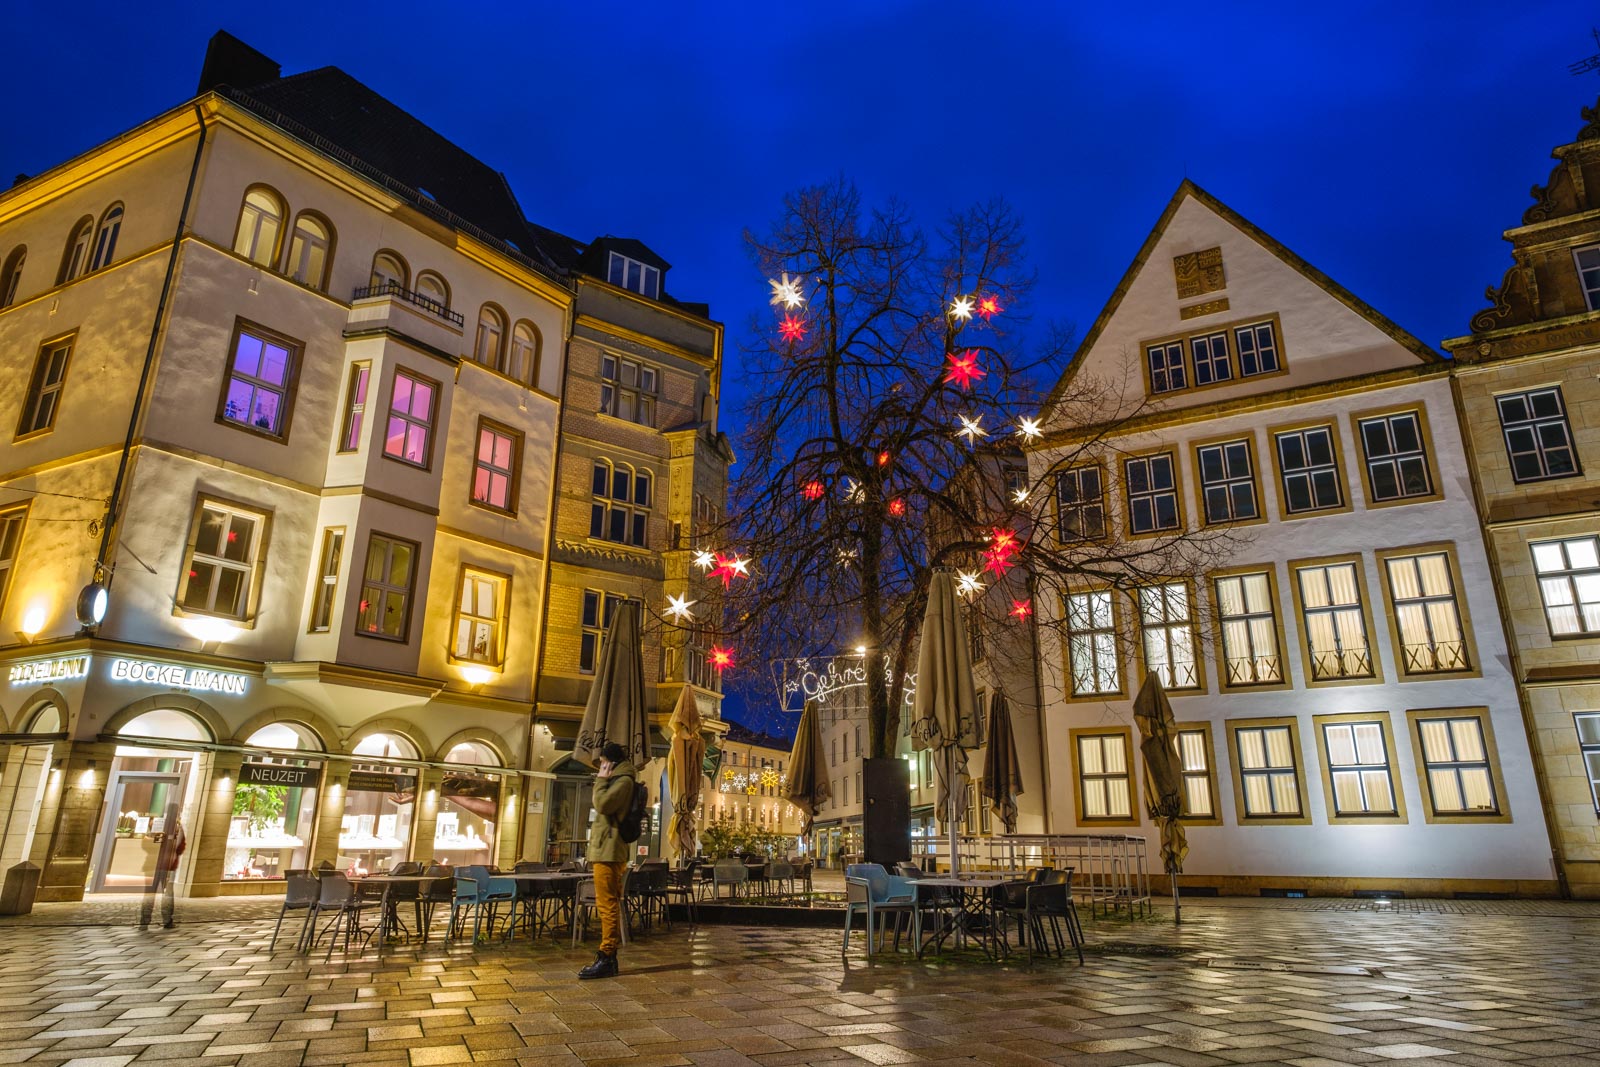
92	603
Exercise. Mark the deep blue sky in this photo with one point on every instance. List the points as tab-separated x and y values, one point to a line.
1388	144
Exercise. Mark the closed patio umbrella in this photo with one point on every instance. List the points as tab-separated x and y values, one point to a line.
616	709
685	766
946	702
808	787
1002	771
1163	778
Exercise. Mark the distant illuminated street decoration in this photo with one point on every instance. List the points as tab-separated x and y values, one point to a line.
829	680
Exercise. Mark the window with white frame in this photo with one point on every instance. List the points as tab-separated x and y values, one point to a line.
1195	756
1309	466
309	249
11	275
1427	614
43	399
105	238
1258	349
1104	780
480	609
1537	435
620	510
1080	502
524	362
1249	618
1227	481
219	568
1588	726
75	260
491	339
1269	776
1166	367
1455	757
408	435
1092	644
259	388
1588	263
1358	768
1209	353
387	582
1396	456
260	222
1152	487
355	406
494	467
10	541
1166	621
598	607
1335	623
628	390
325	594
634	276
1569	584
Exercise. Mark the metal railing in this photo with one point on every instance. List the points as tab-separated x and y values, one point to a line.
1108	870
426	303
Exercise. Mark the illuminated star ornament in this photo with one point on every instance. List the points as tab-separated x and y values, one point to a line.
1019	496
792	328
704	560
883	458
1003	545
846	556
853	492
1028	429
972	429
989	307
964	369
812	490
967	583
1021	609
897	507
720	658
786	291
961	308
678	607
729	568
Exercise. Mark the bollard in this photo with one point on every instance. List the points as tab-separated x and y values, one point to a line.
21	885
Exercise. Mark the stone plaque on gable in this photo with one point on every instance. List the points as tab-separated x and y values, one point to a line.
1198	272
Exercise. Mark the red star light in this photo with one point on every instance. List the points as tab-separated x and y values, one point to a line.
792	328
883	458
1005	541
1021	609
989	307
812	490
997	562
720	658
897	507
964	369
729	568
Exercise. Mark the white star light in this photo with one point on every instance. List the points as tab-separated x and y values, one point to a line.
961	308
972	429
847	556
678	607
704	560
1019	496
853	491
1028	429
786	292
967	583
739	565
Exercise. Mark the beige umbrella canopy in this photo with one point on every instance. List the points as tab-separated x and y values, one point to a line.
685	761
1002	772
616	709
808	787
946	702
1163	777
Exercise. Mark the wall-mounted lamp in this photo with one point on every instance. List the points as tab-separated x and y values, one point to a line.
476	677
92	602
32	623
210	632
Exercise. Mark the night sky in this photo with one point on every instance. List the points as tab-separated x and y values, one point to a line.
1388	144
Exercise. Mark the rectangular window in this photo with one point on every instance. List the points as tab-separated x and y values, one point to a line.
1081	503
1166	367
409	434
258	390
1538	438
1335	623
634	276
1152	486
1588	263
1258	349
1423	593
1227	482
1269	777
1396	457
628	390
1588	725
44	388
1249	629
10	542
219	570
1167	624
1210	355
1358	769
1105	788
1455	757
1199	800
355	407
1569	584
494	468
620	510
1092	644
597	611
324	596
386	586
1309	465
981	724
480	611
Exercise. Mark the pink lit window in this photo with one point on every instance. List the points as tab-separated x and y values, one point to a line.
410	419
494	469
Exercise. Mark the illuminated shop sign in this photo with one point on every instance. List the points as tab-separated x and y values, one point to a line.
196	678
48	670
279	774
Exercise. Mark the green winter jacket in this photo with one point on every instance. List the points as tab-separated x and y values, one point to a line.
611	800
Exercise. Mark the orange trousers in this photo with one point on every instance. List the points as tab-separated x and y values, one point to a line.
608	901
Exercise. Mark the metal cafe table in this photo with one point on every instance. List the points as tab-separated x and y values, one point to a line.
970	915
388	916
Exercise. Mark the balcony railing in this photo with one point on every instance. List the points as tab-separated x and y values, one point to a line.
1254	670
1434	656
428	304
1336	663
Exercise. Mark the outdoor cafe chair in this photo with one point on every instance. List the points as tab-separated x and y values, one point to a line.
585	904
442	890
876	893
1052	901
649	886
780	875
489	893
680	888
301	891
730	873
338	895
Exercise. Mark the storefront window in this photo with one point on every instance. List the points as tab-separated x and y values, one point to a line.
274	806
375	831
469	807
147	787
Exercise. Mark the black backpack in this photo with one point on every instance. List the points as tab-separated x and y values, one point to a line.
631	825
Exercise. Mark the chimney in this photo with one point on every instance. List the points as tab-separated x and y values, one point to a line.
229	61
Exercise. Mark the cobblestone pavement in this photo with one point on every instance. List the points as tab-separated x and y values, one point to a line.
1241	981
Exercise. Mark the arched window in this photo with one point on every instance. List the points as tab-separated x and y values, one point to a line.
491	337
105	238
388	269
310	251
432	287
620	509
260	225
11	275
75	260
524	363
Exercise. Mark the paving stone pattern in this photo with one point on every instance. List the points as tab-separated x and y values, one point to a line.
1296	982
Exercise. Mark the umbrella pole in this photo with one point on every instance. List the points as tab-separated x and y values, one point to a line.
951	800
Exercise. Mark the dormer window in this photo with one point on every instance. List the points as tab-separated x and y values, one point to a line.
632	275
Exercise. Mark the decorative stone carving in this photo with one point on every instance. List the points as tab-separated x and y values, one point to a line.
1197	273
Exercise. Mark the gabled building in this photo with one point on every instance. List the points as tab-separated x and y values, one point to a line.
1527	388
1327	628
748	789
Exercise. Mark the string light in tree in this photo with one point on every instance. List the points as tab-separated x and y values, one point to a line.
989	307
961	308
972	429
1021	609
897	507
812	490
720	658
792	328
964	369
678	607
967	583
704	560
846	556
1028	429
786	291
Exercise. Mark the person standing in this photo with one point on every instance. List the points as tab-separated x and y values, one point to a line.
168	852
614	784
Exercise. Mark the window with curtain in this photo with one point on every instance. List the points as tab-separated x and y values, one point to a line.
1268	775
1104	779
494	467
260	223
1249	629
1335	624
388	271
1358	768
628	390
1569	584
1166	622
309	251
325	593
1092	644
1427	615
524	362
480	609
1193	754
1456	760
490	345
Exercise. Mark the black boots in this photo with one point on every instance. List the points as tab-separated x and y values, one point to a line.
604	966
